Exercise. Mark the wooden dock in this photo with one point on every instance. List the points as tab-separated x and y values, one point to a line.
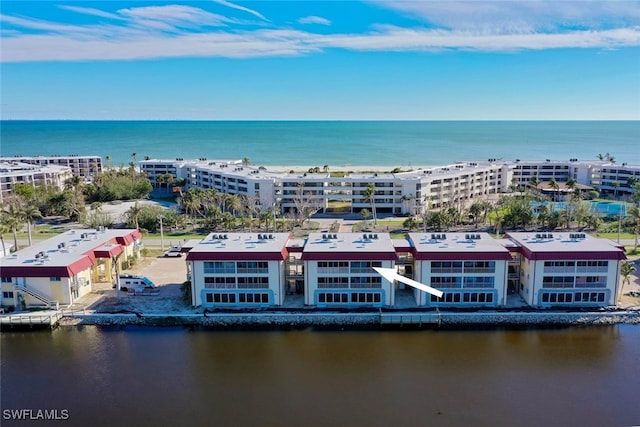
30	320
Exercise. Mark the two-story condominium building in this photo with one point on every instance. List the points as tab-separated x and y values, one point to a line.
238	270
12	173
568	269
338	269
470	268
62	269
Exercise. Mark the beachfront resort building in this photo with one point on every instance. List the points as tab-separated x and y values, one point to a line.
395	192
14	172
62	269
567	269
84	166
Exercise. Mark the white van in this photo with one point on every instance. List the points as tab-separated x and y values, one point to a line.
135	282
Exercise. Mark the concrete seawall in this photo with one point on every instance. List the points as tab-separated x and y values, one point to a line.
368	319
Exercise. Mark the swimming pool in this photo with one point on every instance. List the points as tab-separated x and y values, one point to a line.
603	208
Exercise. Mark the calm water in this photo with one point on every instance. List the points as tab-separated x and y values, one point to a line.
325	143
172	376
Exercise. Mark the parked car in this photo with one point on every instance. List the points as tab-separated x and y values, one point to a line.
174	251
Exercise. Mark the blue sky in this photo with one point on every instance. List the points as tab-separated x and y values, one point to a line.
324	60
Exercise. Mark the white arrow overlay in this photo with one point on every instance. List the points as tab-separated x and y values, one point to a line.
391	274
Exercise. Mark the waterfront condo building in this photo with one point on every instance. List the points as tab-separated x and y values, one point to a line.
62	269
568	269
470	268
338	269
238	270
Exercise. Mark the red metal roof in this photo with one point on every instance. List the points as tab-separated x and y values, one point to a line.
349	256
129	238
107	251
462	256
48	270
237	256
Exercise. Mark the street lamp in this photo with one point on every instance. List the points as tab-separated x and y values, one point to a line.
161	217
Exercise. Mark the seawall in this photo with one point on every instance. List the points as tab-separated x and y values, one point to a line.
365	319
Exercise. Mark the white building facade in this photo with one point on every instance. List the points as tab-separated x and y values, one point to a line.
62	269
470	268
568	269
338	270
397	192
238	270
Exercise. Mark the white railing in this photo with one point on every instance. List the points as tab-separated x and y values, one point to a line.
37	295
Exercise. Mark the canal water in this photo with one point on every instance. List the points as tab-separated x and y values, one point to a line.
136	376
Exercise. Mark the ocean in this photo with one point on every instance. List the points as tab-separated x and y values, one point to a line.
319	143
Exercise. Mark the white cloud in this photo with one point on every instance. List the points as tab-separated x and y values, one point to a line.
184	31
91	11
520	16
242	8
173	15
314	20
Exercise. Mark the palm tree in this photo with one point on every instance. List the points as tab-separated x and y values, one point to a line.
134	214
4	228
634	213
555	187
627	269
615	185
246	161
364	213
30	213
13	219
476	210
370	195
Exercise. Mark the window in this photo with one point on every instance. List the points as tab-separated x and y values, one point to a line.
479	266
591	282
217	267
557	282
253	267
253	282
333	267
446	282
592	266
364	266
220	282
7	294
446	267
366	282
333	282
55	279
7	279
366	297
557	297
479	282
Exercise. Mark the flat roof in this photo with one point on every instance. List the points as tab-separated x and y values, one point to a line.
454	245
240	246
64	251
567	245
352	246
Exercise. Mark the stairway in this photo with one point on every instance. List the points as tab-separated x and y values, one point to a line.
37	295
